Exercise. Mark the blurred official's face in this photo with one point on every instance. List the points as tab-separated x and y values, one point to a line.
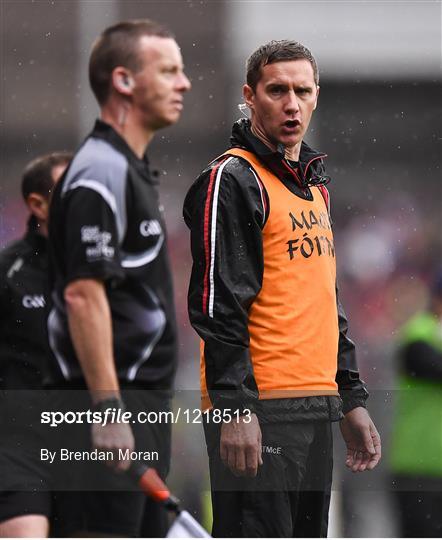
283	102
159	86
39	204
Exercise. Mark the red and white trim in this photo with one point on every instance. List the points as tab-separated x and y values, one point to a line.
210	220
326	195
210	215
213	236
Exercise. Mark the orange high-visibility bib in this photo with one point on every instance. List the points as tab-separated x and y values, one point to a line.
293	321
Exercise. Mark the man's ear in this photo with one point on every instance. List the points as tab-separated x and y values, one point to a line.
122	81
317	96
249	96
38	206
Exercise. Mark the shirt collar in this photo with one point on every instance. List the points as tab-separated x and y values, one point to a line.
105	131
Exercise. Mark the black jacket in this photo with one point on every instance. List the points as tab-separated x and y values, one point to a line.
239	271
106	223
23	296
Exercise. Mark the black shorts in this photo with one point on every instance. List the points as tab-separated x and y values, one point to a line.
24	479
289	497
88	495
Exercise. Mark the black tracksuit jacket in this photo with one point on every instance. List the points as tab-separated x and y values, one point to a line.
23	295
229	371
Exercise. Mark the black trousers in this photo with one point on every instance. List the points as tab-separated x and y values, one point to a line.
290	496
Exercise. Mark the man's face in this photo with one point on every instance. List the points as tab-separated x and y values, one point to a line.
159	86
39	204
283	102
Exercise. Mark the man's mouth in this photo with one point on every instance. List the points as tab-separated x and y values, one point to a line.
291	124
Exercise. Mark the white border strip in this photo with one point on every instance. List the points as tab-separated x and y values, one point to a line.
133	370
213	236
100	188
135	261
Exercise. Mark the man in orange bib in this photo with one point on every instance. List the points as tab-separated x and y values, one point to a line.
277	367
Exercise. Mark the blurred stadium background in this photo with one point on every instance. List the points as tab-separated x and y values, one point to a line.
378	119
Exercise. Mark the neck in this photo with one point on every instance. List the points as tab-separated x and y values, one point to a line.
120	116
42	228
291	153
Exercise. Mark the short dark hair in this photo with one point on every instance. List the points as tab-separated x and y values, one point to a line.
277	51
117	46
37	176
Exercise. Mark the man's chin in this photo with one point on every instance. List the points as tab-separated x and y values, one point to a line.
172	118
166	121
290	141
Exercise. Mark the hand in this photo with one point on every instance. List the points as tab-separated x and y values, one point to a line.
114	437
362	440
240	445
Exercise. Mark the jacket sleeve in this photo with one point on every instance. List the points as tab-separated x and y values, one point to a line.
225	213
351	388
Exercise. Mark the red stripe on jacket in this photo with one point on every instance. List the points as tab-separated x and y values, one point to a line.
206	235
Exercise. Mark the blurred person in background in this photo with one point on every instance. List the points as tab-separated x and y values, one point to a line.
263	298
24	507
113	327
416	445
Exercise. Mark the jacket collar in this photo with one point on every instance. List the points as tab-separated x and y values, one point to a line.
105	131
309	171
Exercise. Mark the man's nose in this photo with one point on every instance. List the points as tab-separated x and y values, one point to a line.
291	104
183	83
